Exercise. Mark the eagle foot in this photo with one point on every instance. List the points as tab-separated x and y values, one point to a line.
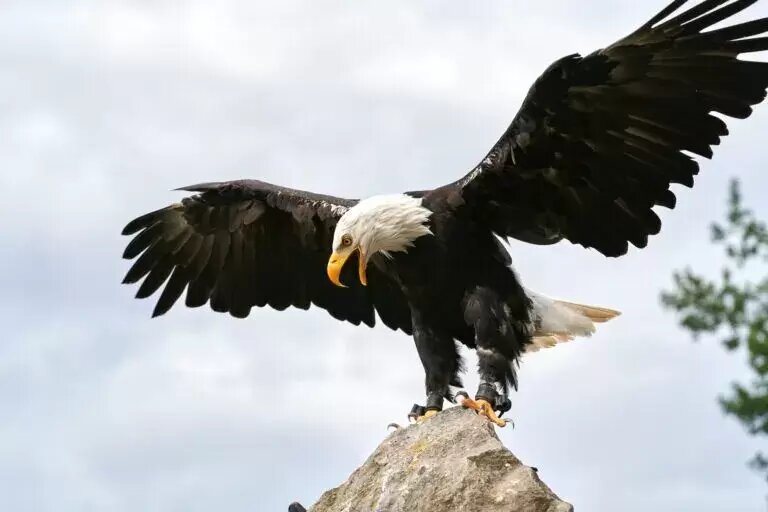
419	413
428	414
482	407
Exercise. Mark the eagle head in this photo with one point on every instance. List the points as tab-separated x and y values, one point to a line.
385	224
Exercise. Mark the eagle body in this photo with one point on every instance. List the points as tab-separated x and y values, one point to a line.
459	285
441	268
591	155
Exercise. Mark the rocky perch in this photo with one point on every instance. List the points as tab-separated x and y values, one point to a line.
451	462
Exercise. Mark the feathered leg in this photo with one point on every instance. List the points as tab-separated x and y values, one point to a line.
442	364
500	337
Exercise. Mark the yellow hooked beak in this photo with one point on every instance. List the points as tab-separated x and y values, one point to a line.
336	263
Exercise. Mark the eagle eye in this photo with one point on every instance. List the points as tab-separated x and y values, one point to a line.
346	241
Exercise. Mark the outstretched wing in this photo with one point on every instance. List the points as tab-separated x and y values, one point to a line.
599	139
244	244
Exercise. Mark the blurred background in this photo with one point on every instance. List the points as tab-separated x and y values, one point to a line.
107	106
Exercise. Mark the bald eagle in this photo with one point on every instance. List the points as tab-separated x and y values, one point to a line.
592	151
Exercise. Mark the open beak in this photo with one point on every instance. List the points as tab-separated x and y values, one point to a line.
336	263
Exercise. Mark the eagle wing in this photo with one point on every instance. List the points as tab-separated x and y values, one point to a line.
244	244
599	139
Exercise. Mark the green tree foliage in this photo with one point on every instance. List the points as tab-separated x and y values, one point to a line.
734	308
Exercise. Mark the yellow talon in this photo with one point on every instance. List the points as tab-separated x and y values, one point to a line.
483	408
427	415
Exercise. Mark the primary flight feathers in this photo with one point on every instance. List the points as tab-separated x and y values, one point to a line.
599	139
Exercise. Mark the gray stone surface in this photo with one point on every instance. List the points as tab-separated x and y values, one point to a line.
452	462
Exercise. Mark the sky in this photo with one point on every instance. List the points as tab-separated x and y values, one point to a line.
107	106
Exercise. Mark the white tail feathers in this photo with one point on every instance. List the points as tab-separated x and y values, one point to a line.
558	321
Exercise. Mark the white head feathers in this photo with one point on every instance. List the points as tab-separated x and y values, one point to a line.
388	223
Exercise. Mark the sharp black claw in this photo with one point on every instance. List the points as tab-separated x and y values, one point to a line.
503	405
416	411
462	393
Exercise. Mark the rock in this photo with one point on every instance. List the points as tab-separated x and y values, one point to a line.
451	462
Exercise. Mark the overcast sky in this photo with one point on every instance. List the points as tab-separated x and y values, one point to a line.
106	106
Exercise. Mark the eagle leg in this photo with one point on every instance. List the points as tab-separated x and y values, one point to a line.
441	362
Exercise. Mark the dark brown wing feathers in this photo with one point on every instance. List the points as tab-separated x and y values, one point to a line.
244	244
599	139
